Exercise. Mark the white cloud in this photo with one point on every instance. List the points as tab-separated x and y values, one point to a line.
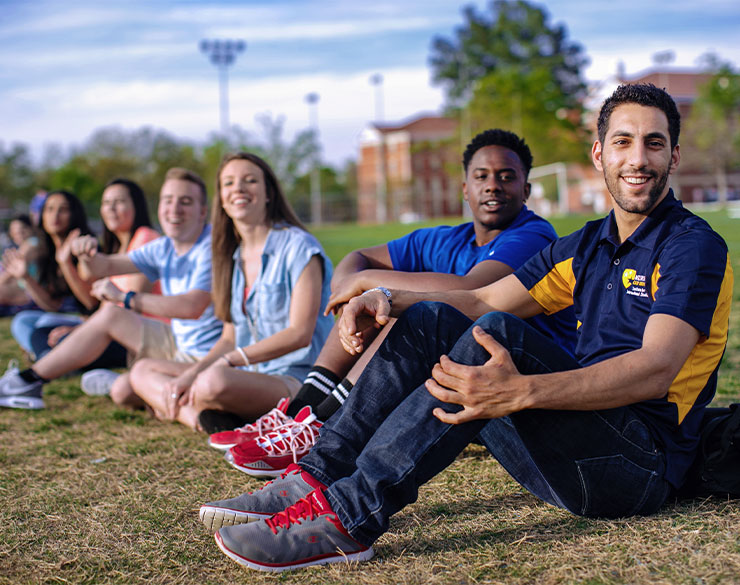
70	113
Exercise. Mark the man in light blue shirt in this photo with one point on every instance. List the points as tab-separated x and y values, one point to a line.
180	261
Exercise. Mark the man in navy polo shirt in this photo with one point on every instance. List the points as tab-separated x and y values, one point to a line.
610	433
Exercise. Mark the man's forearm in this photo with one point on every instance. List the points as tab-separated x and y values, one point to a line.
171	307
102	265
507	294
352	263
627	379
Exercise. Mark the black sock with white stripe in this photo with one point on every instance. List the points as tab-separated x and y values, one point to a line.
316	387
332	402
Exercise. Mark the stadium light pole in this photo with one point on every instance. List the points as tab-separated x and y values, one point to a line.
222	53
312	99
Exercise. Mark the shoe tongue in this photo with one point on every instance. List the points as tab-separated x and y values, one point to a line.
283	404
319	502
305	415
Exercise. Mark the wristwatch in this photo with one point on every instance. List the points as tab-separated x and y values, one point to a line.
385	291
128	298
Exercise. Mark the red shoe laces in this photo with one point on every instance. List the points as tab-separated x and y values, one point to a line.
303	508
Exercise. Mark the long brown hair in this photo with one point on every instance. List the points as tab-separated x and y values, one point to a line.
110	242
225	238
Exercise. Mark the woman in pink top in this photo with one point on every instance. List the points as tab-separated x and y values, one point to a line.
125	216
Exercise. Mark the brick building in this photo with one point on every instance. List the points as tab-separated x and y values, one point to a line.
409	170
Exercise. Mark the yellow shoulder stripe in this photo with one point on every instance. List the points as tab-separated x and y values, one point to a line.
554	292
706	354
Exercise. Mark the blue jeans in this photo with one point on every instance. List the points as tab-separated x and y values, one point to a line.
25	323
376	451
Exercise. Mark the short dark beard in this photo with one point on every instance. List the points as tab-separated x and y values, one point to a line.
654	195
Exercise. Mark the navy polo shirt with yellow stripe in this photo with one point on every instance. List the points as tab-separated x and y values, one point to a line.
674	264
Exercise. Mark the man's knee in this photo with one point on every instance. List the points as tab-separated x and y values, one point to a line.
110	313
498	323
140	371
428	312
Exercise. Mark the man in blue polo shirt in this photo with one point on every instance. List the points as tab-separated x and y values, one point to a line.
501	237
610	433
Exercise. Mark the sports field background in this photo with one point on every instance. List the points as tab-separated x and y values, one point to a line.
91	493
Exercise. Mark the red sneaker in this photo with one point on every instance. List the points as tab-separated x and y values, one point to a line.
225	440
271	454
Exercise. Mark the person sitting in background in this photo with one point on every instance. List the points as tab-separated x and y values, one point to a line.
270	286
501	237
180	260
13	297
57	288
126	226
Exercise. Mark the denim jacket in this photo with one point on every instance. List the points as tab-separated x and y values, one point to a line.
287	251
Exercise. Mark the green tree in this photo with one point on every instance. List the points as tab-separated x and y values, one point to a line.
337	200
713	127
17	180
530	104
512	35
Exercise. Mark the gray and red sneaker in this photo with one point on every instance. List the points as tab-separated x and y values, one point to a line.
304	534
269	455
271	498
225	440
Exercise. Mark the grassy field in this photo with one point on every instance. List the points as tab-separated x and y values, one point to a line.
90	493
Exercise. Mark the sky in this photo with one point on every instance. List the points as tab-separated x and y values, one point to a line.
70	67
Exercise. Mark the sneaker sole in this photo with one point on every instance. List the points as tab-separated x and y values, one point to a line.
363	555
26	402
257	472
215	518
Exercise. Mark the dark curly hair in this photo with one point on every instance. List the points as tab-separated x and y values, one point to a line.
643	94
498	137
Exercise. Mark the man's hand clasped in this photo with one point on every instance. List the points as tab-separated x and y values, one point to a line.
370	310
491	390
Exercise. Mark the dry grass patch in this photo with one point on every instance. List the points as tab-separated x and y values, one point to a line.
96	494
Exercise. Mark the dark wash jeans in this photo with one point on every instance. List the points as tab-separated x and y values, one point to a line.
384	443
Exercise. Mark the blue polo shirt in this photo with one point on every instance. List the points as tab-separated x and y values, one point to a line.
674	264
453	250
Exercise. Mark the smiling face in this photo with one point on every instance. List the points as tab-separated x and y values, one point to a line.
243	192
495	188
117	209
181	210
636	157
56	215
19	231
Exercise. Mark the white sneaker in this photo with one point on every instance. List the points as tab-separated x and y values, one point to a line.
15	392
98	382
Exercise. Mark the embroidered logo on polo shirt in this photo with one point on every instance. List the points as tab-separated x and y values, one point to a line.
634	283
